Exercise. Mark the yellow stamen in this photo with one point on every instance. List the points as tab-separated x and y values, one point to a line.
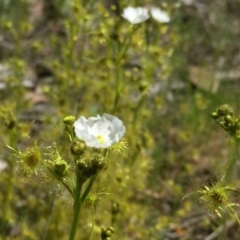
100	139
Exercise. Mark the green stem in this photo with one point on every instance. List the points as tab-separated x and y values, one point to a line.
87	190
235	214
79	200
7	198
127	41
120	53
232	162
93	222
77	205
6	203
118	85
237	218
17	39
137	110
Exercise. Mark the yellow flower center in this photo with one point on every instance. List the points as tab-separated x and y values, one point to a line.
100	139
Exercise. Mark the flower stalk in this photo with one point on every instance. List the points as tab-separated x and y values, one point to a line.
78	200
121	51
98	132
77	205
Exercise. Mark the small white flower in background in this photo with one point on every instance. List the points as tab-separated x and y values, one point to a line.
135	15
159	15
3	165
99	132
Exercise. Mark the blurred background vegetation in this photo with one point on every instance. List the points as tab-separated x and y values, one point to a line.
58	57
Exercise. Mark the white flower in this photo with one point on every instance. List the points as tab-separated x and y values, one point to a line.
99	132
159	15
135	15
3	165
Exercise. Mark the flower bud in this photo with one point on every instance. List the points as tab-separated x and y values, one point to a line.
61	168
69	120
238	138
228	118
8	25
84	166
224	110
98	161
115	211
78	147
143	86
111	229
11	123
90	166
215	115
7	116
75	7
115	208
107	233
237	124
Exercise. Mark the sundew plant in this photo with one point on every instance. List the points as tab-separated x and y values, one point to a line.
106	131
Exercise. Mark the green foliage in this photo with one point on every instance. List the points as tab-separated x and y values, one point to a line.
65	59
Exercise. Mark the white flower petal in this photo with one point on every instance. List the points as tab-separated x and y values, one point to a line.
3	165
99	132
80	127
160	15
135	15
